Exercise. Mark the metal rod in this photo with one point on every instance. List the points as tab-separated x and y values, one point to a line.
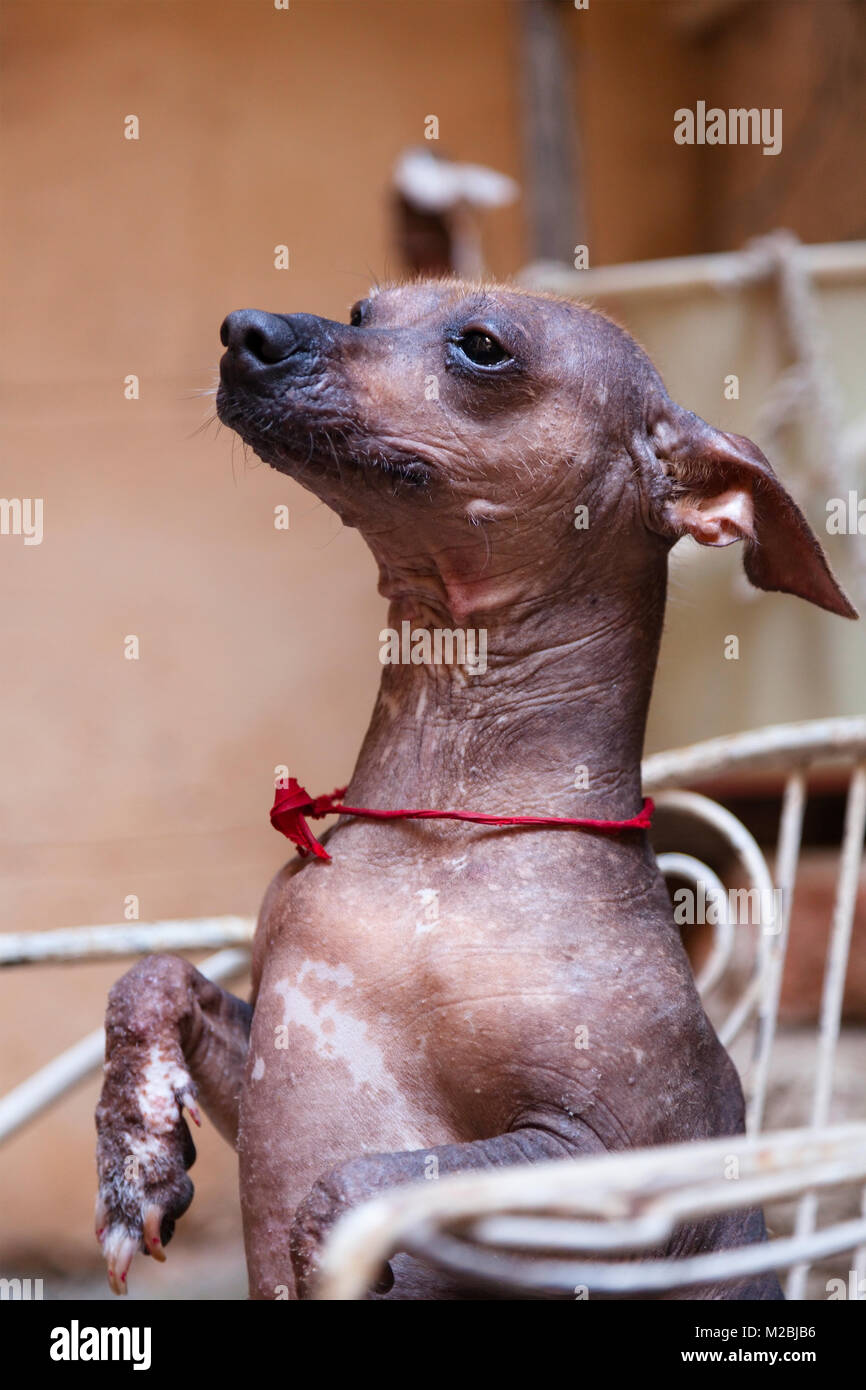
630	1277
833	992
123	939
790	835
815	740
686	866
755	865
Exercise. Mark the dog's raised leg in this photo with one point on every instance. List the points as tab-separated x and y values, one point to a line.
368	1176
172	1039
371	1174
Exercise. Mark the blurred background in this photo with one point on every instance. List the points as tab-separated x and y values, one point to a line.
370	139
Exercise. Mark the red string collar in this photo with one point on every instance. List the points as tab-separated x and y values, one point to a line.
293	803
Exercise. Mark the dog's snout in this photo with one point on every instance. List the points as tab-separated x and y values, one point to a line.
262	338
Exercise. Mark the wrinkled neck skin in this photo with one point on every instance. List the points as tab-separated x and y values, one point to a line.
567	685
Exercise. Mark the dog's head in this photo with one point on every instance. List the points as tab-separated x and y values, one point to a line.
514	444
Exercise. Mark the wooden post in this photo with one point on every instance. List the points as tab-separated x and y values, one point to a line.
553	195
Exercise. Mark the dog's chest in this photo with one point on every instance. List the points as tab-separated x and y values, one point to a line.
472	989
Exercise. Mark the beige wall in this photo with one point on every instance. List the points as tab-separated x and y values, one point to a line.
257	127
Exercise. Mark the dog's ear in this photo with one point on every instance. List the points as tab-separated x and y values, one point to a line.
719	488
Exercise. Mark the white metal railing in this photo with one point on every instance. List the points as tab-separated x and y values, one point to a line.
474	1223
494	1226
124	939
22	1104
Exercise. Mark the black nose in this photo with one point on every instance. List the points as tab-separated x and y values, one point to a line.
264	338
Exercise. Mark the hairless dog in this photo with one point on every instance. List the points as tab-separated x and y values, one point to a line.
419	996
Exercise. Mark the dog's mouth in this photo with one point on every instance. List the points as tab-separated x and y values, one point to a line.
282	390
296	444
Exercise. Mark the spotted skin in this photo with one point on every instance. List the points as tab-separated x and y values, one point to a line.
444	997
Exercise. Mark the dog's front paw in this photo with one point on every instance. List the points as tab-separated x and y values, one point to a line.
330	1198
144	1148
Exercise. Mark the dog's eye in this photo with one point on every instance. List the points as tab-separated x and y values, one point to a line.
482	349
357	313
